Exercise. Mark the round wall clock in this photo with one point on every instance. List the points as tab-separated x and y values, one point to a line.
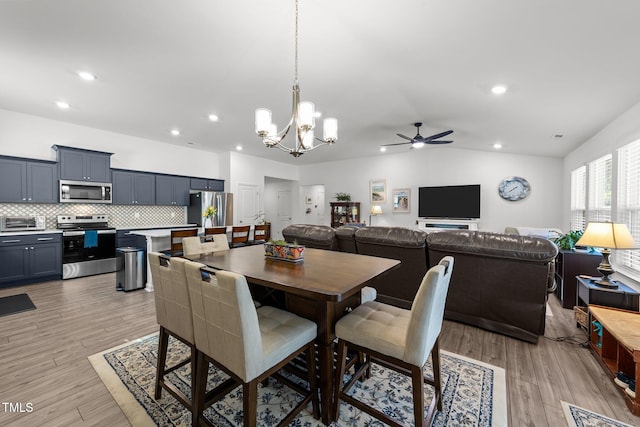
514	188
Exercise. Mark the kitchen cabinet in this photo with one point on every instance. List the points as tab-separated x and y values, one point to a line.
27	181
172	190
133	188
83	165
207	184
30	258
124	239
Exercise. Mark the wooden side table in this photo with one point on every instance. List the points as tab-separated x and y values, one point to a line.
618	348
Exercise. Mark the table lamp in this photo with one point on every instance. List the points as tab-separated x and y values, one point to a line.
375	210
606	235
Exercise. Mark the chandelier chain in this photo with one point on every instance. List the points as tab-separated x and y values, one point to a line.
296	47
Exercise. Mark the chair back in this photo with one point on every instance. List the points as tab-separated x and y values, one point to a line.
215	230
240	235
225	320
427	312
191	246
176	240
171	293
261	233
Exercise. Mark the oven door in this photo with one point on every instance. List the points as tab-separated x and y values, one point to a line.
77	248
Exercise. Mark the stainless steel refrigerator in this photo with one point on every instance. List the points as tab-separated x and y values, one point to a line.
198	202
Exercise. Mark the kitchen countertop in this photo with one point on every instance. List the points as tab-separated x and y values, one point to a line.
158	227
20	233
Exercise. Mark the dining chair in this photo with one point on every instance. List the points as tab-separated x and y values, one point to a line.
173	314
240	235
400	340
176	240
260	234
248	344
215	230
192	246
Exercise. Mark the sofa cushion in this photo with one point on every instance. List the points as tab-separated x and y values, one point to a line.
312	236
346	239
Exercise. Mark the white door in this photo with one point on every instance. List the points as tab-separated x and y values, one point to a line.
284	212
248	201
319	207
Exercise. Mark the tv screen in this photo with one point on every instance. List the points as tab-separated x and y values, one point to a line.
452	201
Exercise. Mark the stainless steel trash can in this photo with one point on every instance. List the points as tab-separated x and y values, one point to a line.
131	269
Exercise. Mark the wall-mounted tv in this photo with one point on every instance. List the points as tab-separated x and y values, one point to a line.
451	201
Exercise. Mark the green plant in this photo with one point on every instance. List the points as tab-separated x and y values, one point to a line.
568	241
277	242
343	197
209	212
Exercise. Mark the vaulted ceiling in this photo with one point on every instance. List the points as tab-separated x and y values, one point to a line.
570	67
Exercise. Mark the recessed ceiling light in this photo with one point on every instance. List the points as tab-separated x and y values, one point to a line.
63	105
497	146
175	132
383	149
239	147
214	117
85	75
498	89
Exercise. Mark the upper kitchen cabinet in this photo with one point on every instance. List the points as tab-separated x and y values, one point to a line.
207	184
133	188
28	181
83	165
172	190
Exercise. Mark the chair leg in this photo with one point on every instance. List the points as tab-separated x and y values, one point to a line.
341	363
418	395
163	343
313	383
250	403
198	396
435	361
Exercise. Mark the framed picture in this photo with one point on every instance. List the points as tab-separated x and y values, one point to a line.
401	198
378	191
308	199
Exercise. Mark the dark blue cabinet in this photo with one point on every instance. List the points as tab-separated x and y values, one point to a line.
172	190
30	258
133	188
207	184
83	165
26	181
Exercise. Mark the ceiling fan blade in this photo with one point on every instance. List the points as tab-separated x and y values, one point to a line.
436	136
397	143
405	137
438	142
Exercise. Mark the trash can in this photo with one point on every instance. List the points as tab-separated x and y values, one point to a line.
131	269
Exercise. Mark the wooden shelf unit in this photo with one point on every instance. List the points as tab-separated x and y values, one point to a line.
570	264
344	213
618	349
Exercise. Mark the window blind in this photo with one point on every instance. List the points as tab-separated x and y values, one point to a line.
600	189
628	204
578	198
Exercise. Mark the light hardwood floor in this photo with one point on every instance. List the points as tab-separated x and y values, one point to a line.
43	358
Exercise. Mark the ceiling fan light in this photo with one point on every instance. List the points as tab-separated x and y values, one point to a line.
417	144
263	121
330	129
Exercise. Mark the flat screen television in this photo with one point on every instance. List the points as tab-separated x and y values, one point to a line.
451	201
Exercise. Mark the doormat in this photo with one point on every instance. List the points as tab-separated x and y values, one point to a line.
15	304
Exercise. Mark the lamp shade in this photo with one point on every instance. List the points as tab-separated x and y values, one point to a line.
330	129
263	121
376	210
607	235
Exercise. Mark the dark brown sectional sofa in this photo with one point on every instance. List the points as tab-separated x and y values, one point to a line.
500	282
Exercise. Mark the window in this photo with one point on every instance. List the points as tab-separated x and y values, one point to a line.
600	189
578	198
628	203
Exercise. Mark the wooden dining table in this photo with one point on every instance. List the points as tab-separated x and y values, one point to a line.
323	288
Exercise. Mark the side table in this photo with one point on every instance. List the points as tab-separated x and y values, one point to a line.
622	297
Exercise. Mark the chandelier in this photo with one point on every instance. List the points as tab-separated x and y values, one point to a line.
302	121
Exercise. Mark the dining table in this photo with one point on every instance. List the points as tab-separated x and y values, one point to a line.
323	287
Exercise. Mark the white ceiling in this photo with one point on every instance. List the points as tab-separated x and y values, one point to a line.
571	66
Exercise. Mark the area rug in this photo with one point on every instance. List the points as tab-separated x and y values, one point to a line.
474	393
15	304
580	417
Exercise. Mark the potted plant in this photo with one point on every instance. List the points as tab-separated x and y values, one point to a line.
568	241
343	197
283	250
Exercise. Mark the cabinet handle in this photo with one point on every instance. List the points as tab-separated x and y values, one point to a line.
45	238
31	248
24	198
12	241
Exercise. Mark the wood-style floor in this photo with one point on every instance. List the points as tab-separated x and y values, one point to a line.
43	358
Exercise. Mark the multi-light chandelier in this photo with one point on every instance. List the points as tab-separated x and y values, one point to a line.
302	120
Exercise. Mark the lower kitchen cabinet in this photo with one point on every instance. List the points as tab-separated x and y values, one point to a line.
30	258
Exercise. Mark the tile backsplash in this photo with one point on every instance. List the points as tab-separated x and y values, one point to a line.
120	216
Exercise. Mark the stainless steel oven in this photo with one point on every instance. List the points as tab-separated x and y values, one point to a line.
89	245
85	192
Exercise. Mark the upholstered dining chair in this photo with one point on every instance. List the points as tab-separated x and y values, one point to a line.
398	339
248	344
240	235
192	246
173	313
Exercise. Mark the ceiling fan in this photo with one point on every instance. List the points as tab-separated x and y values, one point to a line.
419	140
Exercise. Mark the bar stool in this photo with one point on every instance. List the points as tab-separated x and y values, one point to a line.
176	240
260	234
240	235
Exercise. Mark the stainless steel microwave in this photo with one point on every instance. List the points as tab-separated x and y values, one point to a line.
85	192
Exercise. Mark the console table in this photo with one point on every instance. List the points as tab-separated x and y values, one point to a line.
618	348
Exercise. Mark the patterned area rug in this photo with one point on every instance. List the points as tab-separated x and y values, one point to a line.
580	417
474	392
